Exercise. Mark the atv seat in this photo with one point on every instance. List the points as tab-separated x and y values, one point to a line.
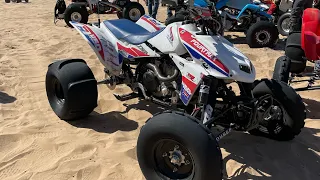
310	33
124	29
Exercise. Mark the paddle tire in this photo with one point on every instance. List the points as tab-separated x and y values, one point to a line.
7	1
71	89
287	113
283	24
76	13
282	69
167	150
262	34
133	11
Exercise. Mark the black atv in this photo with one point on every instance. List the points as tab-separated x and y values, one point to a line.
79	10
16	1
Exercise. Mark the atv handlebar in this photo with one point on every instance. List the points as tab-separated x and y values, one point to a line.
206	18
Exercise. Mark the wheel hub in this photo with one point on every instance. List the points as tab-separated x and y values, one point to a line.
76	16
275	114
173	160
263	37
176	156
134	14
285	25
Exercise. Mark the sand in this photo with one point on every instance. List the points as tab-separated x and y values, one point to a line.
35	144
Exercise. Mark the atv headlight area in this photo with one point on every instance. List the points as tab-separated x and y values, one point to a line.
246	69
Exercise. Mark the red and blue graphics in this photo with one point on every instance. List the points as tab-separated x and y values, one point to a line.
187	89
199	51
130	52
92	38
152	22
170	35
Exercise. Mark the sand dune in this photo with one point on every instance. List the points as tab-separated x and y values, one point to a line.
35	144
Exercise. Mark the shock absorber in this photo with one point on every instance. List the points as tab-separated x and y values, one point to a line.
204	96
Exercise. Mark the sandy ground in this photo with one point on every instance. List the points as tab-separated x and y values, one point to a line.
35	144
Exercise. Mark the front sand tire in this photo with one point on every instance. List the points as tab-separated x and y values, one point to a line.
171	138
290	120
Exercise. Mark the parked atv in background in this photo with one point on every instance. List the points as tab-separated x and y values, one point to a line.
282	16
79	10
15	1
241	16
302	47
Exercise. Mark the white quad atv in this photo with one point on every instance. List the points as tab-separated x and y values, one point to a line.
186	67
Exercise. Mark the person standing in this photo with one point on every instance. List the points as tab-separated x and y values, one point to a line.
153	6
296	14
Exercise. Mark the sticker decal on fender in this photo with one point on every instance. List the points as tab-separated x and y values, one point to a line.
201	52
92	38
187	89
170	35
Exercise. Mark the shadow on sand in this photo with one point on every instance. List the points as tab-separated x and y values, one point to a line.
313	108
294	160
5	98
235	39
107	123
115	121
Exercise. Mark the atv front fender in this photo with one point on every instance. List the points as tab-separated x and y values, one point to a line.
254	9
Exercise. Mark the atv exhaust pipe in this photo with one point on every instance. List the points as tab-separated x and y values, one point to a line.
160	77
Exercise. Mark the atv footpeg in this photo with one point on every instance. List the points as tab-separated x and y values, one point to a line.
126	97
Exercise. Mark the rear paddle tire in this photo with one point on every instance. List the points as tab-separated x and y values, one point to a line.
262	34
133	11
282	69
285	119
71	89
167	150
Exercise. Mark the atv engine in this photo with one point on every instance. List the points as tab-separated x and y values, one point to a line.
160	80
